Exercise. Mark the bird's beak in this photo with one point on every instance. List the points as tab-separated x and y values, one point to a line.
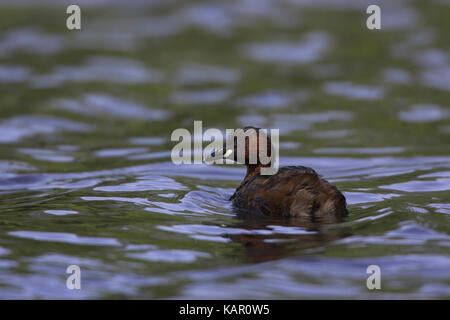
228	153
218	155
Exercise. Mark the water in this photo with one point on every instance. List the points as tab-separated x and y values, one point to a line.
85	125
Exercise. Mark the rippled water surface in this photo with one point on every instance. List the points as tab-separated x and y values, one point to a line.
86	176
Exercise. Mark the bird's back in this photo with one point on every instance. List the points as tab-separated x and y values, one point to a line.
294	191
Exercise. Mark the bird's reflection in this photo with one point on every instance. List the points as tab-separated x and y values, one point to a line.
285	236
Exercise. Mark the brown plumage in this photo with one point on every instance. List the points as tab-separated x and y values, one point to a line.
294	191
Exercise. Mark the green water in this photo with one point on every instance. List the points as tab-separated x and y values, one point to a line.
86	175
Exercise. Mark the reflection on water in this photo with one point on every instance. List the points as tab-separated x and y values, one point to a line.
16	128
307	51
424	113
351	91
99	69
32	40
64	237
271	239
101	104
197	74
204	97
86	177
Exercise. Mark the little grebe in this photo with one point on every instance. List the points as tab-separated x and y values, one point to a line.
294	191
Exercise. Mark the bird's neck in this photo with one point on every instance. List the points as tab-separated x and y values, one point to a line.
253	170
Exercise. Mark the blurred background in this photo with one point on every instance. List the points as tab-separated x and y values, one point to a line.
85	123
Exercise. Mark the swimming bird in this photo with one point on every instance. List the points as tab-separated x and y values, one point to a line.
294	191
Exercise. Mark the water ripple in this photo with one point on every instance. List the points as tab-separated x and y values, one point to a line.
65	238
